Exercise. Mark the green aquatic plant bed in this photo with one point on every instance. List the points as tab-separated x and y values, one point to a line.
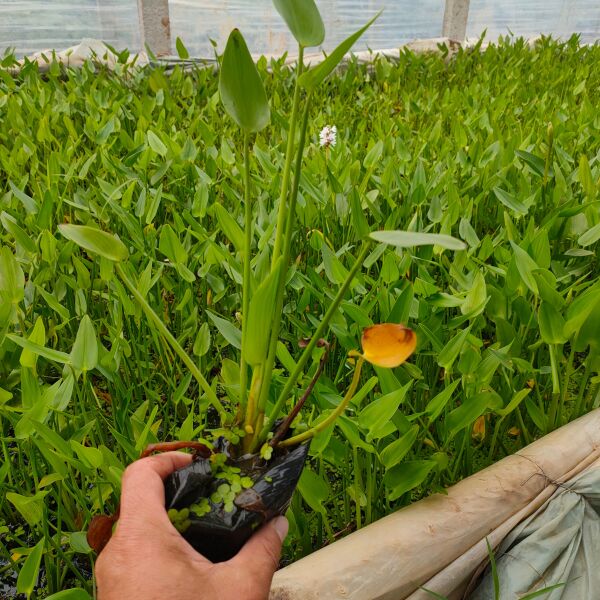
499	148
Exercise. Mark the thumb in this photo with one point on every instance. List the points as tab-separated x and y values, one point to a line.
260	555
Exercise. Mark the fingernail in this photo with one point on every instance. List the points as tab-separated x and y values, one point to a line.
281	526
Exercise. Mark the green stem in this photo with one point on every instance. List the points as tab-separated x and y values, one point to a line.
369	486
246	281
582	387
276	323
554	413
289	155
289	230
357	486
310	433
307	353
170	338
249	423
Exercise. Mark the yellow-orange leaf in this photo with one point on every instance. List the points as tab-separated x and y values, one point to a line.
388	344
514	432
478	432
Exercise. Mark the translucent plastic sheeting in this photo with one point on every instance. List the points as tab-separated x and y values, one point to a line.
198	21
528	18
31	25
558	545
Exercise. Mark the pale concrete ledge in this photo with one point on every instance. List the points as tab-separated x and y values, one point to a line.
439	542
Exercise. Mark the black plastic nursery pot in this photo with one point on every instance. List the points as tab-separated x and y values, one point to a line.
217	527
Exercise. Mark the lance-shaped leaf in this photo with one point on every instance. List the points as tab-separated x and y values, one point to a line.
312	78
96	241
30	570
408	239
303	19
84	354
260	315
241	88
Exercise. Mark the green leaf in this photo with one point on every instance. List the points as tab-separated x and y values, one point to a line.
552	324
379	412
96	241
314	489
257	323
476	297
535	163
547	285
202	341
156	143
72	594
581	308
54	355
90	456
510	201
591	236
436	405
303	19
537	416
393	453
232	231
181	49
104	132
30	507
334	269
468	412
12	278
78	541
171	247
407	476
312	78
28	202
586	178
84	354
28	575
37	336
374	155
350	430
515	401
241	88
10	224
494	569
544	591
433	594
452	349
408	239
231	333
525	265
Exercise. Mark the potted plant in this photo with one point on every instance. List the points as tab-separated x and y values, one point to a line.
247	473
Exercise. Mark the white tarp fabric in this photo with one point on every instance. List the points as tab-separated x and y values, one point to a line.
558	544
439	543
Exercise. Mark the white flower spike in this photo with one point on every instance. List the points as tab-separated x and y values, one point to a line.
328	136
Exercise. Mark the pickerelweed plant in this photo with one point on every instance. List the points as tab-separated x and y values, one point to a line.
261	400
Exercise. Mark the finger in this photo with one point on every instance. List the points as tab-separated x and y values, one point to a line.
142	489
260	555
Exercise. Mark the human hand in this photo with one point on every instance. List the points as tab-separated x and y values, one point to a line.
148	559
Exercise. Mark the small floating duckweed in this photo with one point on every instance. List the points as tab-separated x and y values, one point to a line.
180	518
200	508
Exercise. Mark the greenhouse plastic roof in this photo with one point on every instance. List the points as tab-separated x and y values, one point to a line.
32	25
